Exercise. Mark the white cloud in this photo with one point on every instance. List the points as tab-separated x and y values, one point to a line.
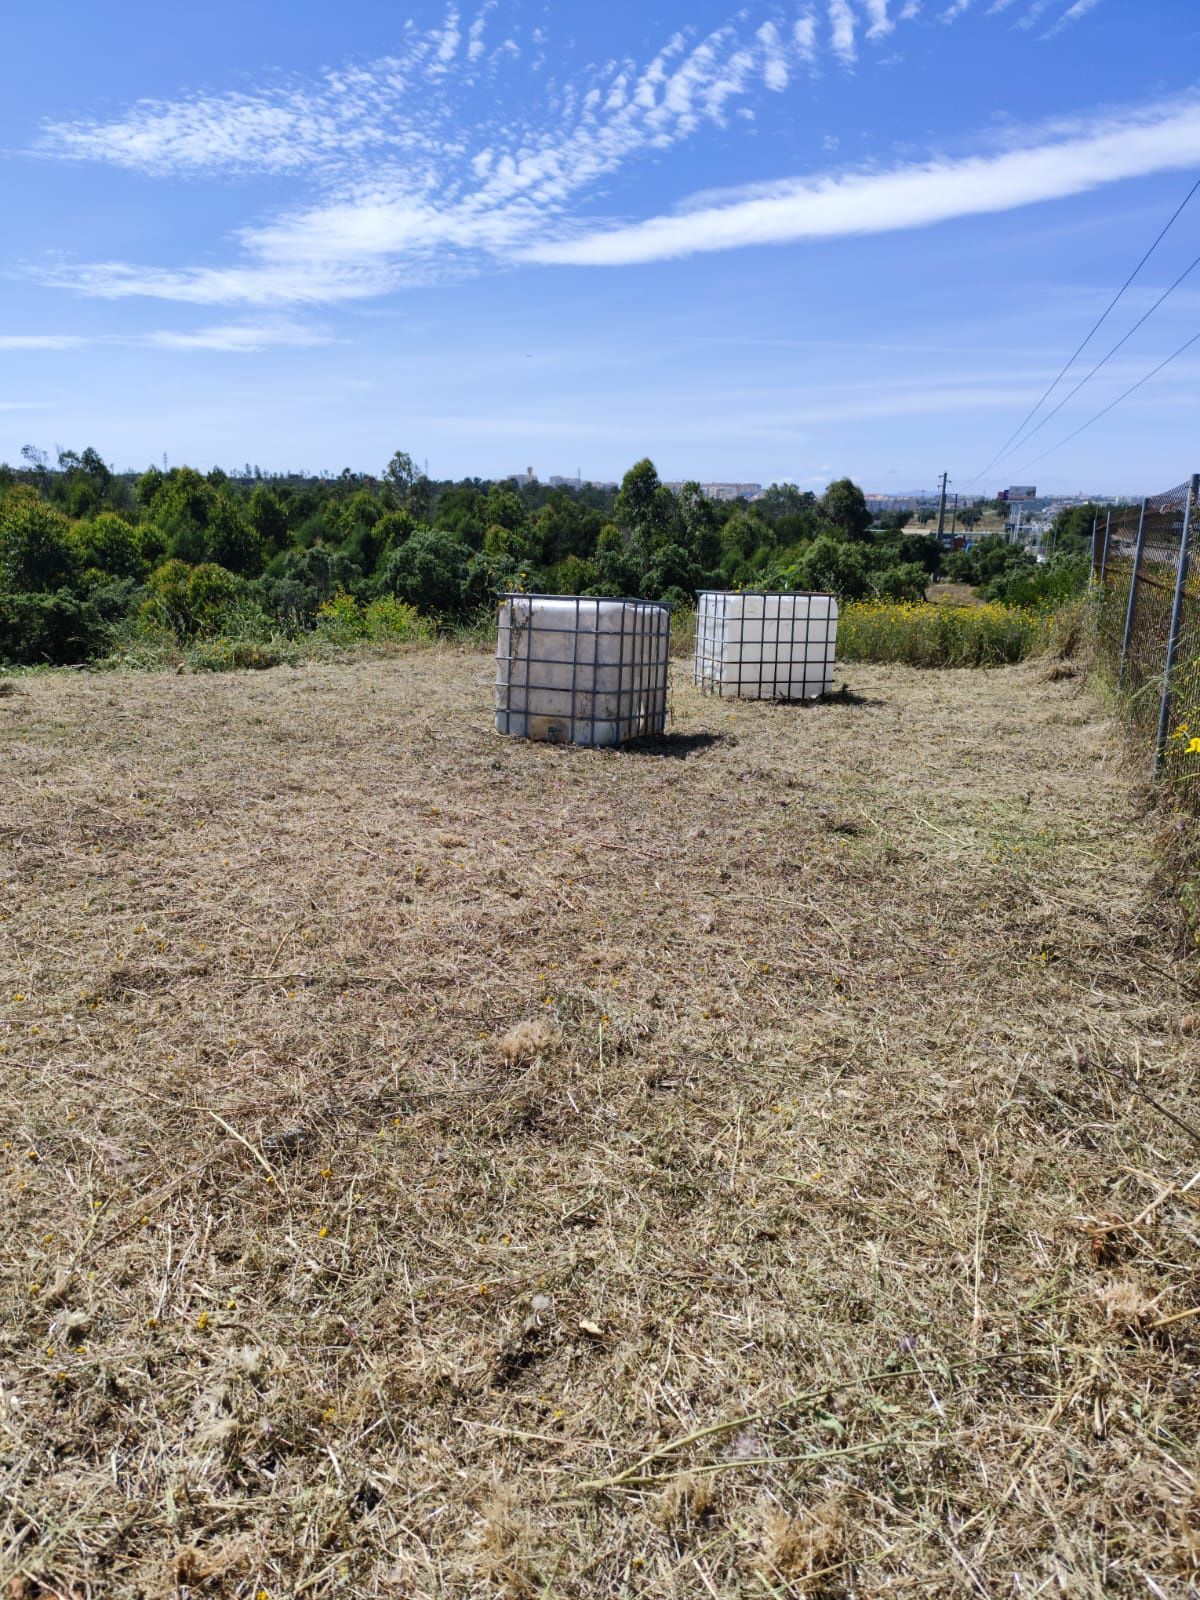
1074	13
841	31
261	284
475	44
906	197
402	103
775	58
804	36
449	40
407	184
39	341
881	23
1034	15
237	338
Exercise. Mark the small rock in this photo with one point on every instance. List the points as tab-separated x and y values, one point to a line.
289	1140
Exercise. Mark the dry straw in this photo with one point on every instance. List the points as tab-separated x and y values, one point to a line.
437	1165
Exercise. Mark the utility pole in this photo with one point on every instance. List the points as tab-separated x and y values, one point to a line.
942	507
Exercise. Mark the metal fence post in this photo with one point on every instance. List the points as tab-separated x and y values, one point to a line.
1133	589
1181	576
1095	550
1104	555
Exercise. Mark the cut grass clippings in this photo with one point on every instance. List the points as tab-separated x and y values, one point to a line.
437	1165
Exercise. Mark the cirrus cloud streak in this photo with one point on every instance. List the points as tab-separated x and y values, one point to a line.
904	197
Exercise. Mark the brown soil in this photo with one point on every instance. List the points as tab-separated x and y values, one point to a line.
953	594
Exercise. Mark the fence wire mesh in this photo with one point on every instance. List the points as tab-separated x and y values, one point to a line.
1147	573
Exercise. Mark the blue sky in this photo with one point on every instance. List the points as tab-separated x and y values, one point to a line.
782	241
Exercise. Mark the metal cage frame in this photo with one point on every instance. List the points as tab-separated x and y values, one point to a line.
708	674
641	681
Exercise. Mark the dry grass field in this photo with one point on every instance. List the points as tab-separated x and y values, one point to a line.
763	1164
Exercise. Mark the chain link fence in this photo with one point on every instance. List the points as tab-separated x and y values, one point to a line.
1146	577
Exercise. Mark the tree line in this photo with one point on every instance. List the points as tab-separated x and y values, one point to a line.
85	550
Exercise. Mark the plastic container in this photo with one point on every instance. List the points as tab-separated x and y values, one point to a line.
576	670
759	646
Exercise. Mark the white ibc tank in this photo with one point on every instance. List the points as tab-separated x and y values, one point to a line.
578	670
756	646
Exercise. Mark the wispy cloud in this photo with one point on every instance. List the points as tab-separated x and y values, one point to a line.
881	23
775	57
841	32
39	341
239	338
1075	13
1035	14
405	183
804	36
906	197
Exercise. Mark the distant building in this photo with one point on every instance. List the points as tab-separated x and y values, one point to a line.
901	502
578	481
724	491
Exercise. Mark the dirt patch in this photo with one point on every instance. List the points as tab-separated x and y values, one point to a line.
441	1165
953	594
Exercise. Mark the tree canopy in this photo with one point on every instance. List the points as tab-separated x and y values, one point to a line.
83	547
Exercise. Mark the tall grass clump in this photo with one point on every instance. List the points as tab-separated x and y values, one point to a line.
923	635
683	631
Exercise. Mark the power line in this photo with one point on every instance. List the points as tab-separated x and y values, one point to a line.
1195	339
1095	328
1104	360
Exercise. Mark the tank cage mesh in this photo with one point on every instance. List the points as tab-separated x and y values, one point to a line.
772	648
580	669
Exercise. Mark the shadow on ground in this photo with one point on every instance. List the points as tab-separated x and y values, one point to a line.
846	696
678	746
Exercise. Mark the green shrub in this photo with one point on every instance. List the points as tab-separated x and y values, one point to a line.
829	566
203	599
1048	585
394	621
37	553
343	621
56	629
904	581
111	545
222	654
429	570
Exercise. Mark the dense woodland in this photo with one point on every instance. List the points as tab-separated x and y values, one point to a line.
88	555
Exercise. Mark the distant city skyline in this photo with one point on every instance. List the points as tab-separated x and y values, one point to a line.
781	241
